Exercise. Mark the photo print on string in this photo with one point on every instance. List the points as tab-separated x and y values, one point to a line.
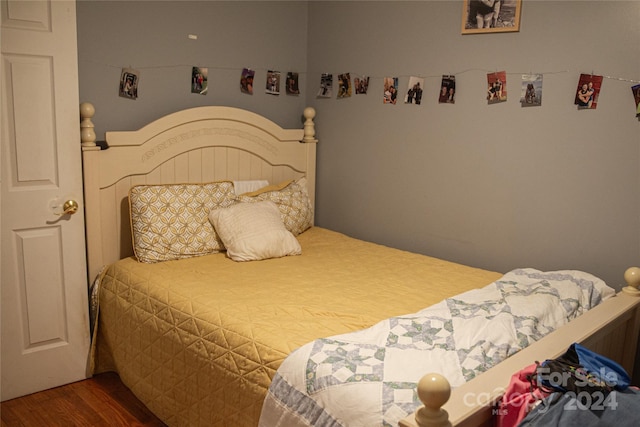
588	91
199	80
273	82
531	90
129	79
390	90
246	81
636	97
361	84
497	87
447	90
292	83
326	86
344	85
414	90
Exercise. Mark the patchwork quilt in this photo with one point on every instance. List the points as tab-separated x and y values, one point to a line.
369	378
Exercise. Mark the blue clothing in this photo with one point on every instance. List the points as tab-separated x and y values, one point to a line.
618	408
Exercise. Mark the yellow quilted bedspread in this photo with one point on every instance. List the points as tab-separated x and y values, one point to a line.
198	340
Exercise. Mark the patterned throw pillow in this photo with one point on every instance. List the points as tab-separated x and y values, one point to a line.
292	200
171	221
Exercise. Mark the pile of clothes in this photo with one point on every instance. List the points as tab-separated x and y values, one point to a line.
580	388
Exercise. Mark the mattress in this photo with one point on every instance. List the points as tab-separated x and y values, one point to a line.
199	340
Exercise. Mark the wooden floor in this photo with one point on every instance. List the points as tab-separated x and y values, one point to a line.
99	401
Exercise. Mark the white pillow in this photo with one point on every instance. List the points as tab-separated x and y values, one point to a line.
245	186
253	231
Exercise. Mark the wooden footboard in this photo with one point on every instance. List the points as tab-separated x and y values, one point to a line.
610	329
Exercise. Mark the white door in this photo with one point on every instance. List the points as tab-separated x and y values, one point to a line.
45	330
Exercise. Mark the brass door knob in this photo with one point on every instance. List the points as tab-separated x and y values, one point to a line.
69	208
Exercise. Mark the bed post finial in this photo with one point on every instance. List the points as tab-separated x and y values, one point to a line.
309	127
87	132
433	391
632	277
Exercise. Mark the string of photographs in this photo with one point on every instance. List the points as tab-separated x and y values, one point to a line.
586	95
531	89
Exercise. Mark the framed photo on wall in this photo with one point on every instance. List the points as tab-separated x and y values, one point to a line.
490	16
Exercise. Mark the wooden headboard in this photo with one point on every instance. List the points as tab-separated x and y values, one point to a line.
196	145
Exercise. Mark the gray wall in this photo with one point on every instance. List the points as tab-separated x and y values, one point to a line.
496	186
152	37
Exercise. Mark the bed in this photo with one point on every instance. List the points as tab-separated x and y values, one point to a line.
199	335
